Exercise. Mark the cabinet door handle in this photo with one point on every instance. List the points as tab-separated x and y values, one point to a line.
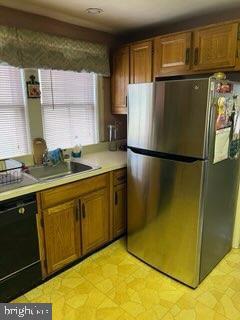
196	51
126	101
116	198
187	56
78	210
83	211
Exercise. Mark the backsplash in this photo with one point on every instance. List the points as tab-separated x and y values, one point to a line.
98	147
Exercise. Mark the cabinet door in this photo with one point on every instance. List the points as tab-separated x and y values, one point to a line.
215	47
95	220
141	62
62	235
119	210
172	53
120	80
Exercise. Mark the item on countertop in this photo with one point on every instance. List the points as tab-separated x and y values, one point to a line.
112	137
77	151
55	156
123	147
10	171
25	168
67	153
39	148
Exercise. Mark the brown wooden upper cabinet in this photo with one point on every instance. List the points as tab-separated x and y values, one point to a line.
172	53
141	62
120	80
215	47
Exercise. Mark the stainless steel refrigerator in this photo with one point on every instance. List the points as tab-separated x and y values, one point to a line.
181	190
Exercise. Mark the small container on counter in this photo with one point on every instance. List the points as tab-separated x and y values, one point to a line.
77	151
112	137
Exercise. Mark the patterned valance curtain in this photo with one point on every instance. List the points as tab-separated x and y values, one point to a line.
30	49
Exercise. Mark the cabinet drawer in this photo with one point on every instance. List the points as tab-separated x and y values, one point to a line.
73	190
120	176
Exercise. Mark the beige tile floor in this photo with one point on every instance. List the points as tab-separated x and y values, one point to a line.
113	285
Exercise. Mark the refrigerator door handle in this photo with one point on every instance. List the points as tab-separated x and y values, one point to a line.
161	155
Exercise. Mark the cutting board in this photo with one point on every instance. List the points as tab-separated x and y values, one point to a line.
39	148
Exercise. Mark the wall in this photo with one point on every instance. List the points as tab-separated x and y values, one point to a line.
34	110
109	118
236	234
184	24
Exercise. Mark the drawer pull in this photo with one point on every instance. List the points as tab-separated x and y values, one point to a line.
78	210
121	178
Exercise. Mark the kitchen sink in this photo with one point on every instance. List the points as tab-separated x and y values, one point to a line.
62	169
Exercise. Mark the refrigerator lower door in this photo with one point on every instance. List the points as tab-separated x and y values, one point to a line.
164	214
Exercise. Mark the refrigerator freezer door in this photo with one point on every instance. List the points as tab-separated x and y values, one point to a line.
170	117
164	214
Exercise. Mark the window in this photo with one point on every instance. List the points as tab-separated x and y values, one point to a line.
13	130
68	108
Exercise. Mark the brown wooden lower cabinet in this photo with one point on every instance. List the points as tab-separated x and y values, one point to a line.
62	235
119	210
73	227
94	220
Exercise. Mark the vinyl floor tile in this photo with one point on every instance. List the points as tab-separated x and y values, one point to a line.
114	285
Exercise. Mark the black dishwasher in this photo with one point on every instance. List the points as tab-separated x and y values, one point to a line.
20	267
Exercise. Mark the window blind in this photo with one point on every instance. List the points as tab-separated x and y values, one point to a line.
13	130
68	108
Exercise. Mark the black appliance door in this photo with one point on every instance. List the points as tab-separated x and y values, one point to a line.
18	235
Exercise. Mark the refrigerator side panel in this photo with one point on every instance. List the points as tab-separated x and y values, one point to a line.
219	202
164	218
219	212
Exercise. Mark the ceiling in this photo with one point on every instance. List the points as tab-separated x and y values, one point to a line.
121	15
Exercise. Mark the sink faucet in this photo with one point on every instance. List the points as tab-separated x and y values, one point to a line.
45	159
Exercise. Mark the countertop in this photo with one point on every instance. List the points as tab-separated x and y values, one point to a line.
107	160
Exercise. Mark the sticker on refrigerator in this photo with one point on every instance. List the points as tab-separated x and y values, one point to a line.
221	144
221	121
